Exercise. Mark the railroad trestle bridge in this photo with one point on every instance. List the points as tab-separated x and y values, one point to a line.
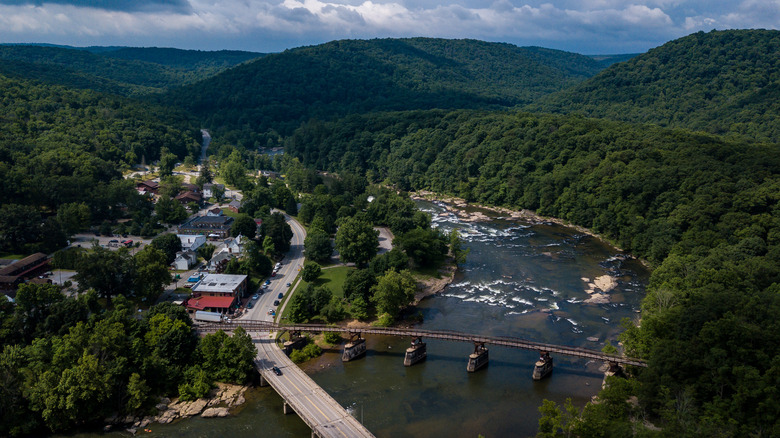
418	335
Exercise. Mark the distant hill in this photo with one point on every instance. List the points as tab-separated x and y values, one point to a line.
724	82
607	60
125	71
280	91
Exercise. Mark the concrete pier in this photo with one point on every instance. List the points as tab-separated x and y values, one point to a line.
287	409
296	343
478	359
354	349
544	366
416	353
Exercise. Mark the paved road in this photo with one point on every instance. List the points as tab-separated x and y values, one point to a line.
286	274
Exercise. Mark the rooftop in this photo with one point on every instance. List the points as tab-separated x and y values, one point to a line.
200	303
219	283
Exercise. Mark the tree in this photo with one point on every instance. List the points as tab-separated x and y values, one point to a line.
456	248
169	244
356	241
167	162
393	291
19	226
151	273
424	247
244	225
311	272
206	251
268	246
205	176
170	211
110	273
257	261
74	217
318	246
291	206
358	285
277	228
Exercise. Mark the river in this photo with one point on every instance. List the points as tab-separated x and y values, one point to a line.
520	280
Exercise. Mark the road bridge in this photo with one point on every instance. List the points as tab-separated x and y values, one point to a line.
503	341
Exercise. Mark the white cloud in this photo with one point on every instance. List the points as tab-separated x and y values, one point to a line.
579	25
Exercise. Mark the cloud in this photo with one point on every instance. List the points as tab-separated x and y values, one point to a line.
589	26
110	5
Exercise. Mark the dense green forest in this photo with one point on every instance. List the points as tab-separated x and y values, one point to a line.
68	362
124	71
61	146
702	209
723	82
256	102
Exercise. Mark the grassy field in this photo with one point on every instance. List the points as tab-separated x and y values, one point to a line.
333	279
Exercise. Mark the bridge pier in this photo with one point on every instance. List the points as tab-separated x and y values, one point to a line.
543	366
355	348
287	409
295	343
479	358
416	353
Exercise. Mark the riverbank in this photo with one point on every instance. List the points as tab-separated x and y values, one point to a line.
219	403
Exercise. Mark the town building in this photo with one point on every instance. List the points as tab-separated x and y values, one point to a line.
185	198
150	186
234	205
21	270
213	227
210	189
191	241
217	293
185	260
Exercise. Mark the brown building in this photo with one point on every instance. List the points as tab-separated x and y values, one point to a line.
19	271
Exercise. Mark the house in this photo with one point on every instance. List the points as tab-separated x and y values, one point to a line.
190	187
186	197
210	189
185	260
216	211
235	246
234	205
149	186
17	272
219	261
191	241
213	227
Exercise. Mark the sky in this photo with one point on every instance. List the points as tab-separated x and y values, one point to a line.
582	26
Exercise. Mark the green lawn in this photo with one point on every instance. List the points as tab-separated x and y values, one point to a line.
333	279
229	212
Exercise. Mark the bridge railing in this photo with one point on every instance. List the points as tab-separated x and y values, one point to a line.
503	341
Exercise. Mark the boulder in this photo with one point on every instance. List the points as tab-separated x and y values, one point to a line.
215	412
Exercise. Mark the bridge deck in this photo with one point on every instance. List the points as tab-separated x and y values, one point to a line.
503	341
324	415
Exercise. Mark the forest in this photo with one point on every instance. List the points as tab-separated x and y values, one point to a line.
723	82
255	103
672	155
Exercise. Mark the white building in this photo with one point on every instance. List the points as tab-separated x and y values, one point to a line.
191	241
185	260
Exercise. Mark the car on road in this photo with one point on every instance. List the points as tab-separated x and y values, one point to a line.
272	312
280	296
250	305
277	371
276	302
289	284
255	296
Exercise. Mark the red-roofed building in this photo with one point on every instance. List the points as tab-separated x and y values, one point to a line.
210	304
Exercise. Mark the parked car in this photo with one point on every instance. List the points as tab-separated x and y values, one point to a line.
250	305
255	296
277	371
280	296
276	302
289	284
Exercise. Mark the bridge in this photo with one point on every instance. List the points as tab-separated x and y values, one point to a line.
503	341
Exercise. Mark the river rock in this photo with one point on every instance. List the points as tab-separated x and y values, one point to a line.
162	406
215	412
193	408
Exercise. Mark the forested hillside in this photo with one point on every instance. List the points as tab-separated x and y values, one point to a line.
704	210
723	82
125	71
63	146
255	103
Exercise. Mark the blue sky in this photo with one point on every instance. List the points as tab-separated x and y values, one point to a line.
583	26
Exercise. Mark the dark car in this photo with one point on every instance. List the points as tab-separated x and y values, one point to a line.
250	305
281	295
276	302
277	371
